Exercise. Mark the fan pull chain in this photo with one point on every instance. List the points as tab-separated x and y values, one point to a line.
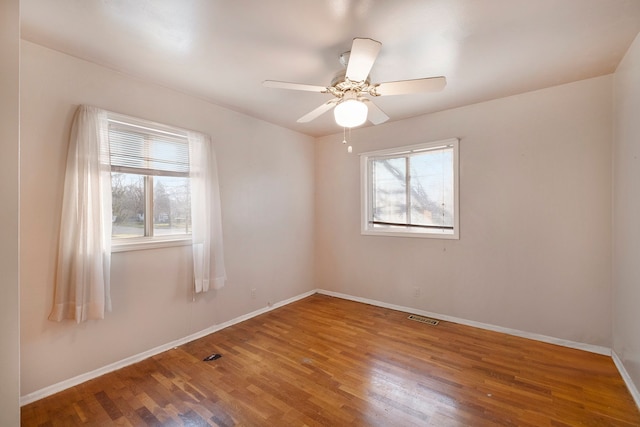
344	139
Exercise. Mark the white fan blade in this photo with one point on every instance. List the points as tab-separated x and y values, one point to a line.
431	84
318	111
293	86
376	115
363	54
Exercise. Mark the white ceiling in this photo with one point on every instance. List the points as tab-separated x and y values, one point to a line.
222	50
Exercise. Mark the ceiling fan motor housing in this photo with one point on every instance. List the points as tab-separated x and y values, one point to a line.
341	85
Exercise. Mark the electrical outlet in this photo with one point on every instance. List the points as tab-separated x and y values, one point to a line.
416	292
253	293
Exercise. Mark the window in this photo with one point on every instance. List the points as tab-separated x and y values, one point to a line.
411	191
150	183
165	184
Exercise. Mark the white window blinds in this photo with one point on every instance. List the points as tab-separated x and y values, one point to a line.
143	150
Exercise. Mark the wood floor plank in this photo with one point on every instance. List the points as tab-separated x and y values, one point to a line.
324	361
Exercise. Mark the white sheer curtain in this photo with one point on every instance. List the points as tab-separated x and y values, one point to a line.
84	252
208	260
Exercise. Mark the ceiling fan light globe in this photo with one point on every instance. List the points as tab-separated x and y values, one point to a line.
350	113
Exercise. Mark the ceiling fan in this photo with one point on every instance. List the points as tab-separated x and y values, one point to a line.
351	86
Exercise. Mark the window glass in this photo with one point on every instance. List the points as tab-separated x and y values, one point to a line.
432	188
389	190
171	205
411	190
128	205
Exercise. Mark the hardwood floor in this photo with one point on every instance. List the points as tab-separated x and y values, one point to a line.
325	361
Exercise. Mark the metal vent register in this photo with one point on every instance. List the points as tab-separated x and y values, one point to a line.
422	319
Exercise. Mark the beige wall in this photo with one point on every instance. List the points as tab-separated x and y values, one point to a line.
9	194
535	189
626	209
266	183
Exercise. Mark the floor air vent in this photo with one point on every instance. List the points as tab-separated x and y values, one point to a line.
422	319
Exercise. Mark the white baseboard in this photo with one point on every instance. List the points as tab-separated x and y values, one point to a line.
552	340
63	385
55	388
627	378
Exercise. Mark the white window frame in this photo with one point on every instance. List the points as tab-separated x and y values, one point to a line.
366	188
148	241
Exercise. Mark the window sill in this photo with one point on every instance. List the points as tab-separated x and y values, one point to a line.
144	244
445	234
